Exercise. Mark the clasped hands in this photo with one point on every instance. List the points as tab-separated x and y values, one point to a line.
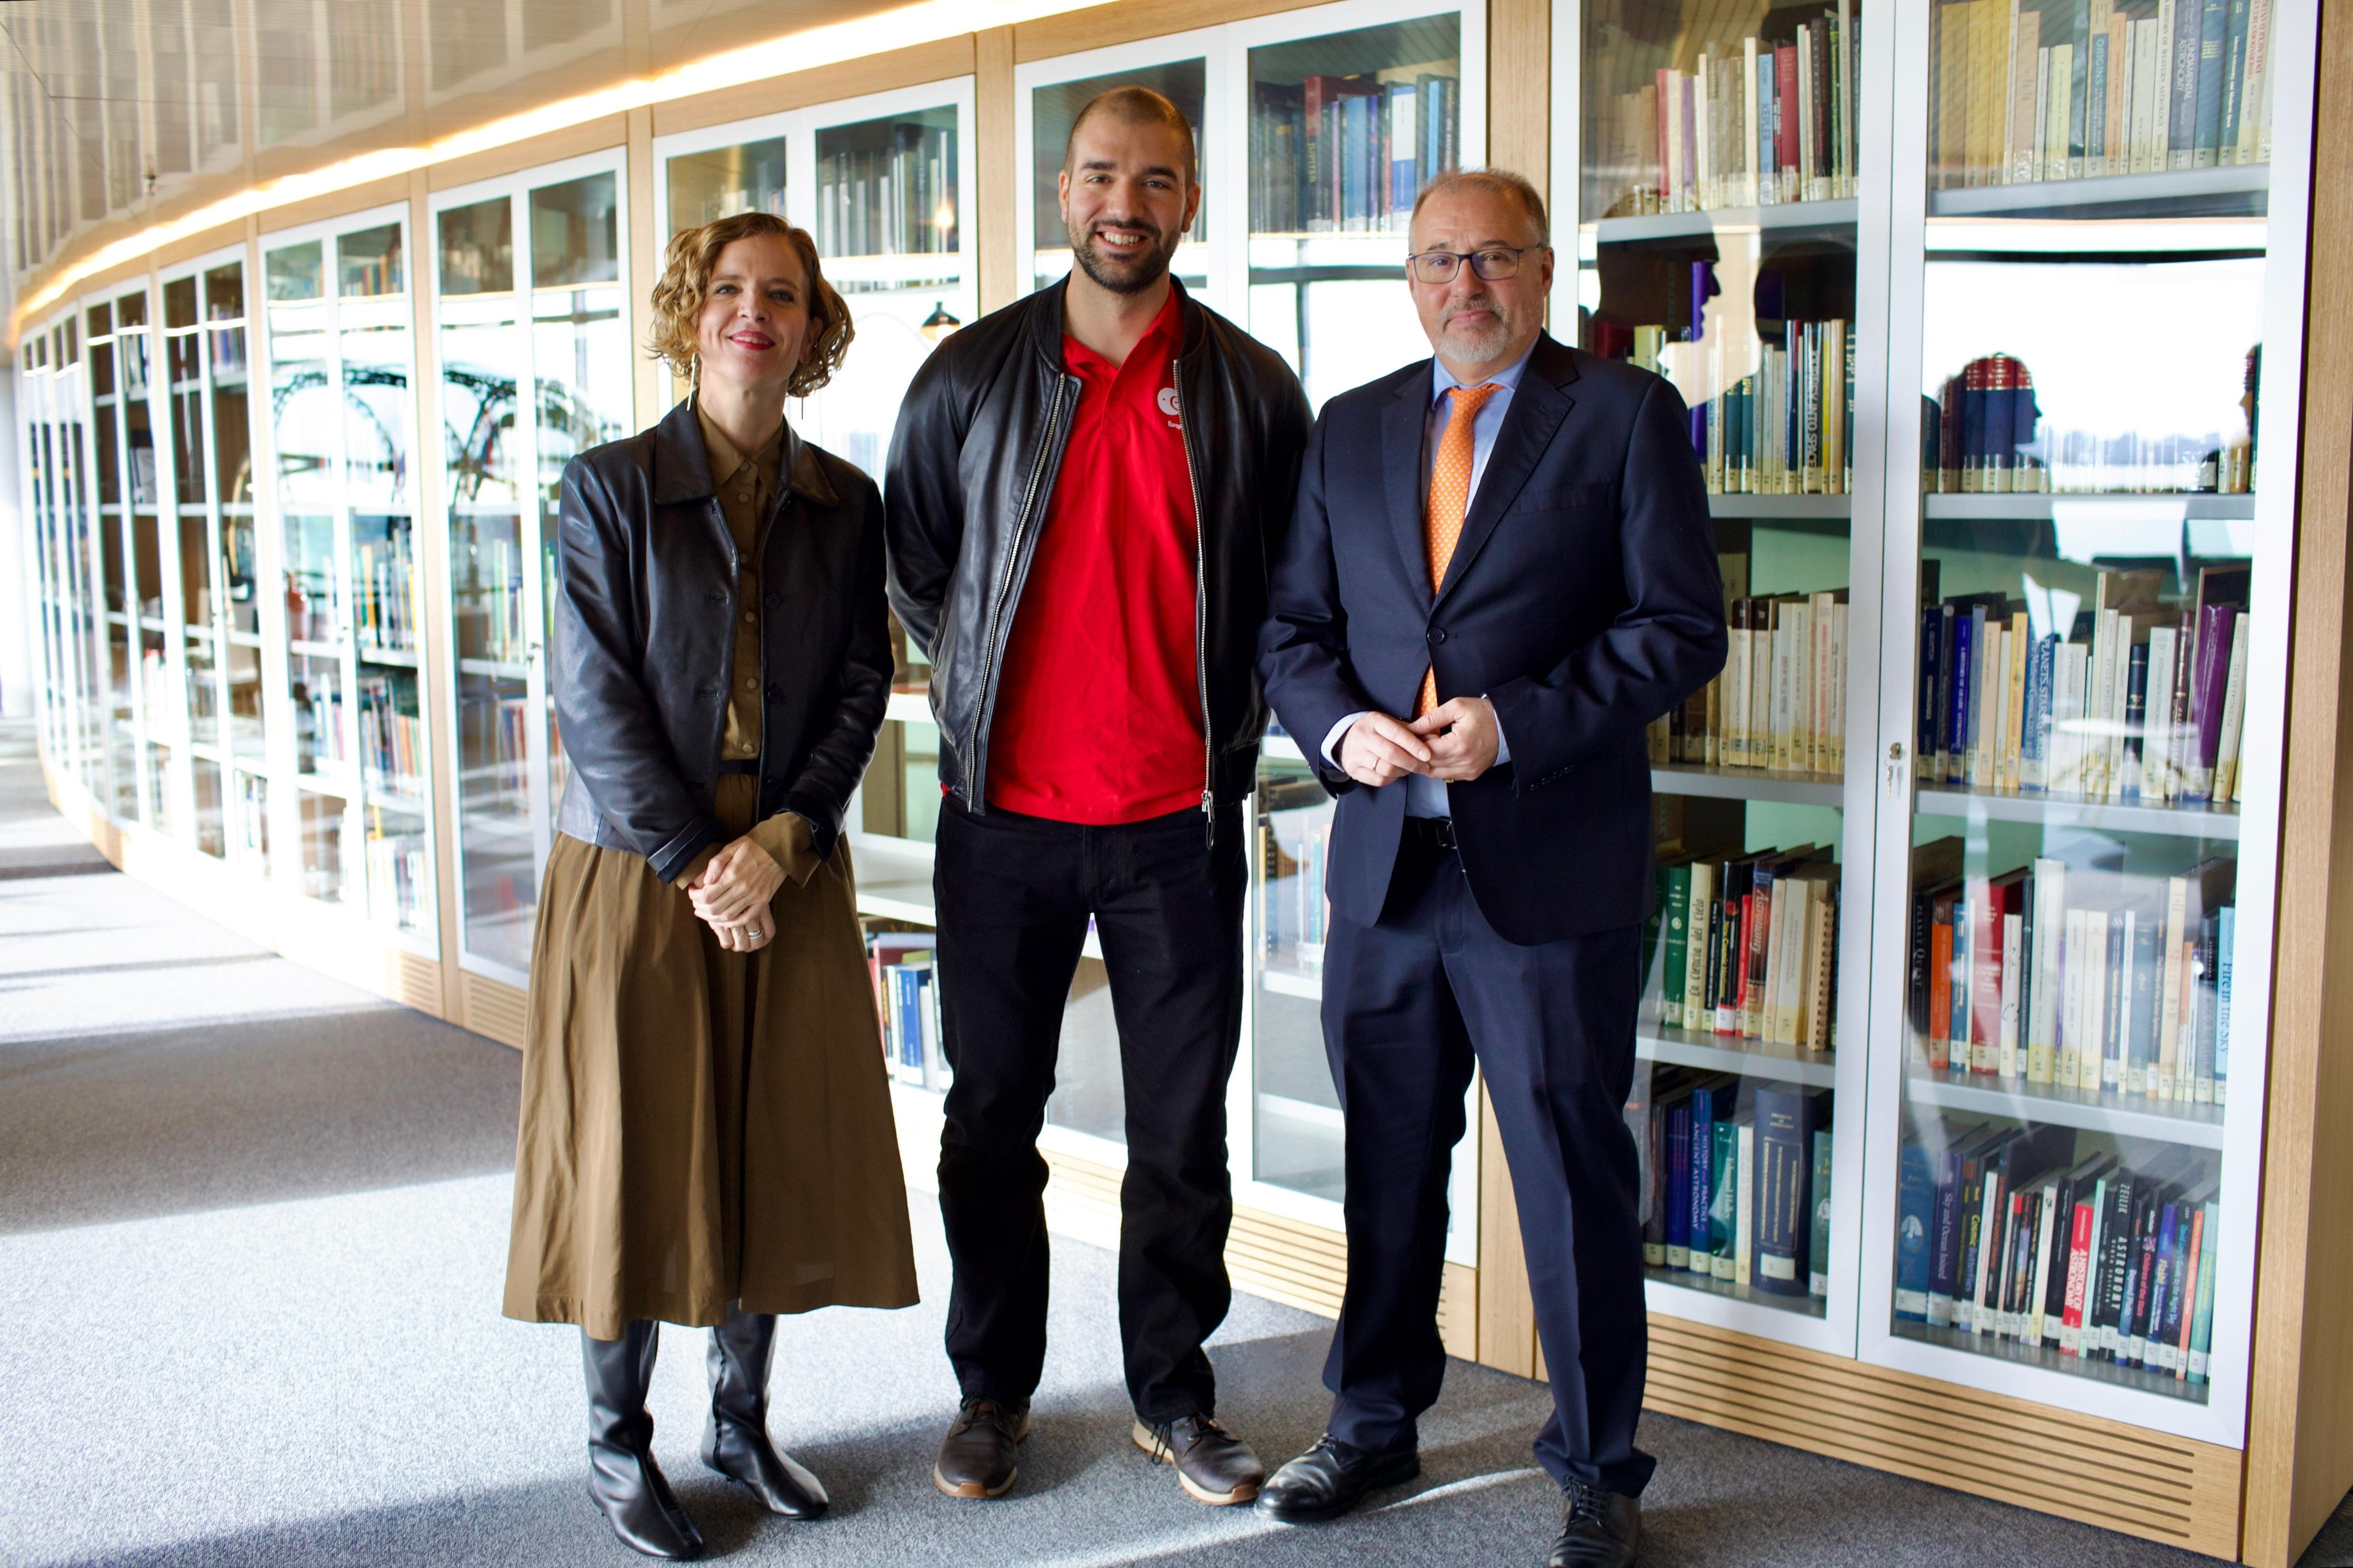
733	893
1454	742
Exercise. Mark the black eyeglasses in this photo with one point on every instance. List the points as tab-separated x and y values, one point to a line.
1494	264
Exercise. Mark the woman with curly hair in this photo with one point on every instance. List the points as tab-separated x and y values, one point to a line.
706	1132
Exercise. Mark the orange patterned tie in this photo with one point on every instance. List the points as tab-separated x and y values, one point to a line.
1450	497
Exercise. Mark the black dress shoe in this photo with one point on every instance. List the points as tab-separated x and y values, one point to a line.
1332	1477
1213	1465
735	1442
622	1475
1597	1530
978	1457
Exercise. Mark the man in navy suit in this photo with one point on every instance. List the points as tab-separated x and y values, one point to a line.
1500	571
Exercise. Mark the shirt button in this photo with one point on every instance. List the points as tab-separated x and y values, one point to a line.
752	684
776	694
750	619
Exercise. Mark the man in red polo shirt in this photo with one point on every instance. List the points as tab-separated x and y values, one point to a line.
1085	492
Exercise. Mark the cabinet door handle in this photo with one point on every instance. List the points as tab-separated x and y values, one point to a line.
1895	767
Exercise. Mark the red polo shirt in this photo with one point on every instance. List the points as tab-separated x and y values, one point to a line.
1099	709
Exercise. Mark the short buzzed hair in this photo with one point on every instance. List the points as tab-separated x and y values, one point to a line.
1134	105
1502	183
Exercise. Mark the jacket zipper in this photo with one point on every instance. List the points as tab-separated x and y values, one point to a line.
1200	607
975	744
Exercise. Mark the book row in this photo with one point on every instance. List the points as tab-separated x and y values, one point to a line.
392	742
1763	121
895	200
397	881
907	1001
491	619
1747	946
2011	1233
1779	702
2144	702
2071	90
1986	435
1736	1179
2077	977
388	613
319	724
1788	427
1348	153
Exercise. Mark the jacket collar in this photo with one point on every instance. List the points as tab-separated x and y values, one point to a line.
682	463
1538	406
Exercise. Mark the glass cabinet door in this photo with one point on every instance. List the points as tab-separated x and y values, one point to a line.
199	602
237	572
535	367
1724	256
2089	625
1343	130
115	370
340	412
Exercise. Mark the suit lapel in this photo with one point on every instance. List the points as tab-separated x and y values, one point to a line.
1402	436
1536	410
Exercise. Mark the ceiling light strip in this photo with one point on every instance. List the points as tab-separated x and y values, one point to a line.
808	49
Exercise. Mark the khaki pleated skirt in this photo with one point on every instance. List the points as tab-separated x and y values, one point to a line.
700	1127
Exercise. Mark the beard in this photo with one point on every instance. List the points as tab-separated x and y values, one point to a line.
1126	272
1477	345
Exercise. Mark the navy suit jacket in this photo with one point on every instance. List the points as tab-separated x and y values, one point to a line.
1583	600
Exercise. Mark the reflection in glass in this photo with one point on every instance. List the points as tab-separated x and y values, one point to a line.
478	248
322	828
888	186
368	263
1297	1114
724	181
576	233
295	272
2042	374
212	827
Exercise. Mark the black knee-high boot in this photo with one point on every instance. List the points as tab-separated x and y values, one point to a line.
736	1443
622	1475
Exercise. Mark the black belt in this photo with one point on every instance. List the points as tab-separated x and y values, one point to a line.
740	765
1436	832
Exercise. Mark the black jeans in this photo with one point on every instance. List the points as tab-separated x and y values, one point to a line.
1014	896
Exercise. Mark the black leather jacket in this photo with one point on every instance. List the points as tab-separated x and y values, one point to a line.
973	466
645	638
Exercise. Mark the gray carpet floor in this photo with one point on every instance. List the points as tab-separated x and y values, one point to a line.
252	1229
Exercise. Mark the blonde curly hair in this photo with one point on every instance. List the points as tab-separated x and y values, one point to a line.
686	281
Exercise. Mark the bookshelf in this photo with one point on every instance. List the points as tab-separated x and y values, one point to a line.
536	361
338	328
2113	810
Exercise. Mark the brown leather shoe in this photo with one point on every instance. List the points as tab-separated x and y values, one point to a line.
977	1457
1212	1465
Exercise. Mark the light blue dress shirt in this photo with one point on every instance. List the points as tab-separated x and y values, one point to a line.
1426	797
